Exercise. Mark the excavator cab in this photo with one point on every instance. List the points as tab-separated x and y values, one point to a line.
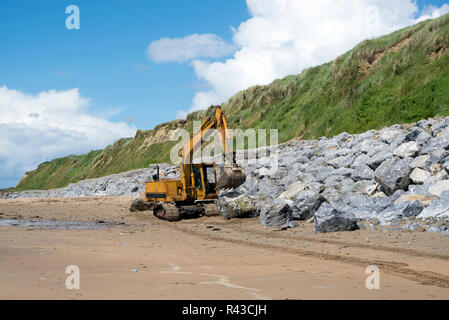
205	181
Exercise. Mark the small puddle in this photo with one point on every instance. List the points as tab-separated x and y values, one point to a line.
58	225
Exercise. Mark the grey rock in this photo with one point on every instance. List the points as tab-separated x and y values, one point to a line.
360	186
409	209
233	205
397	195
333	181
346	186
364	207
275	214
436	229
417	189
434	143
389	216
393	174
397	142
413	134
361	160
302	159
371	147
377	159
342	162
362	172
329	219
421	162
419	176
423	138
439	126
408	149
438	155
438	188
388	135
437	209
322	173
345	172
305	204
269	189
331	194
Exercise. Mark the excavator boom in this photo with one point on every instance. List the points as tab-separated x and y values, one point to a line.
230	175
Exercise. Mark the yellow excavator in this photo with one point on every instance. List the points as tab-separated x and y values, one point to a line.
195	193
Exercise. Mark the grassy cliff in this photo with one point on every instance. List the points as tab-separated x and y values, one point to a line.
402	77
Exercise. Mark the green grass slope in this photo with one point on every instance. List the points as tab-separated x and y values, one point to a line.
399	78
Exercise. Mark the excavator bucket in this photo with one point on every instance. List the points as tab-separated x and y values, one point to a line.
230	177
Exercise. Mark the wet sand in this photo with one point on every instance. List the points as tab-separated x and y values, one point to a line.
122	255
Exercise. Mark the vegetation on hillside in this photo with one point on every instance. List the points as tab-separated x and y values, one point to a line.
399	78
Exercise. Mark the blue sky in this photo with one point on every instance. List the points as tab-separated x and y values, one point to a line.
135	64
106	59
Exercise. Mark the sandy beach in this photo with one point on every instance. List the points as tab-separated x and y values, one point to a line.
124	255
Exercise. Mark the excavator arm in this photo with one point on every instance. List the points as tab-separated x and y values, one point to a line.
219	123
231	175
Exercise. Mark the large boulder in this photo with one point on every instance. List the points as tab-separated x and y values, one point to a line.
421	162
305	204
362	206
362	159
433	144
276	214
362	172
423	138
140	204
330	219
393	174
389	134
409	209
419	176
438	188
437	209
408	149
233	205
377	159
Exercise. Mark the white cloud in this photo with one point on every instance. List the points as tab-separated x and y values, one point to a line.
432	12
181	114
194	46
36	128
283	37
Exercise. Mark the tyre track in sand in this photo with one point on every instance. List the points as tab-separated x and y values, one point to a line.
403	270
408	252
